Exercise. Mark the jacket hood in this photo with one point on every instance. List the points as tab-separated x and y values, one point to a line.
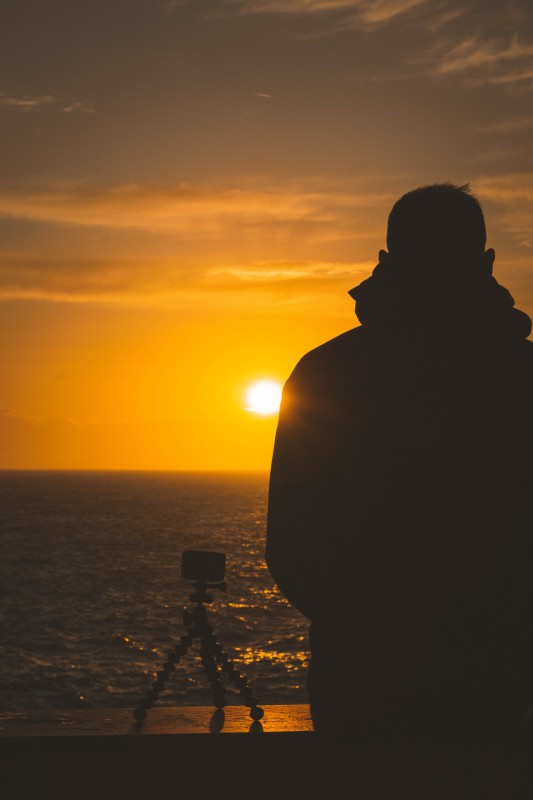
406	298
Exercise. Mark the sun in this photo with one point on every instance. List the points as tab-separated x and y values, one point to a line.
263	397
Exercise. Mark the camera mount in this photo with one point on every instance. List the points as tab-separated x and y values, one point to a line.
215	659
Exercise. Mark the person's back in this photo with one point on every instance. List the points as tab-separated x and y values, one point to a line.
401	497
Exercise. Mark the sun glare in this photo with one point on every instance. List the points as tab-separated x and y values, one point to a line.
263	397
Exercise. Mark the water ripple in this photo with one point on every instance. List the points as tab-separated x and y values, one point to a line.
92	597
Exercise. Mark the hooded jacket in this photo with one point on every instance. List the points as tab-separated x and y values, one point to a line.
401	504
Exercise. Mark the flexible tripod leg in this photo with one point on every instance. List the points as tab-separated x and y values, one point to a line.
211	670
240	681
212	654
158	686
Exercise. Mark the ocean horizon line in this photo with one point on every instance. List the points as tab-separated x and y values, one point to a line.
138	470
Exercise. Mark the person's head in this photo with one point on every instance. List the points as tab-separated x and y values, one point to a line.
441	224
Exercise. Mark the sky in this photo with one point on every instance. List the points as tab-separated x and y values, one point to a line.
189	189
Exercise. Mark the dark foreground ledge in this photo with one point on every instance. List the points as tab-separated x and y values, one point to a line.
183	721
177	752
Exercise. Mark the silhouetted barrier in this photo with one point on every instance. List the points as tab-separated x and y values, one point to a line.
93	754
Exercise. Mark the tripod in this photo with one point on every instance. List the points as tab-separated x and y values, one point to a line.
212	655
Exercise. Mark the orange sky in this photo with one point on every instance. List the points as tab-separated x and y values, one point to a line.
189	190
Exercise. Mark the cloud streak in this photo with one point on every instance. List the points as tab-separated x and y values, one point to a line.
507	126
192	242
473	52
77	107
347	13
481	59
515	187
185	209
283	274
180	241
512	193
157	282
471	42
29	103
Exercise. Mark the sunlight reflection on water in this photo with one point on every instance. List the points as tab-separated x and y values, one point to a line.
92	594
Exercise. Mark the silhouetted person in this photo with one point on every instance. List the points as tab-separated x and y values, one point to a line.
401	494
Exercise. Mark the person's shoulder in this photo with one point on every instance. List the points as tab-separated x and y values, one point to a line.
332	354
520	353
526	355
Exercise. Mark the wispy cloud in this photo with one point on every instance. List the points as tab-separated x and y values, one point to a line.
346	13
512	193
500	52
508	154
262	273
507	126
438	19
180	241
473	52
277	283
293	6
516	80
181	208
516	187
480	59
380	12
159	282
28	103
108	281
77	107
14	413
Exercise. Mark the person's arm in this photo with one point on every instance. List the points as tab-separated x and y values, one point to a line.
298	509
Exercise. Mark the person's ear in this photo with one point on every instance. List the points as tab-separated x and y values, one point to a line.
488	260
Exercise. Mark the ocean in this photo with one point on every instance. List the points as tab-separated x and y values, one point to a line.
92	596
